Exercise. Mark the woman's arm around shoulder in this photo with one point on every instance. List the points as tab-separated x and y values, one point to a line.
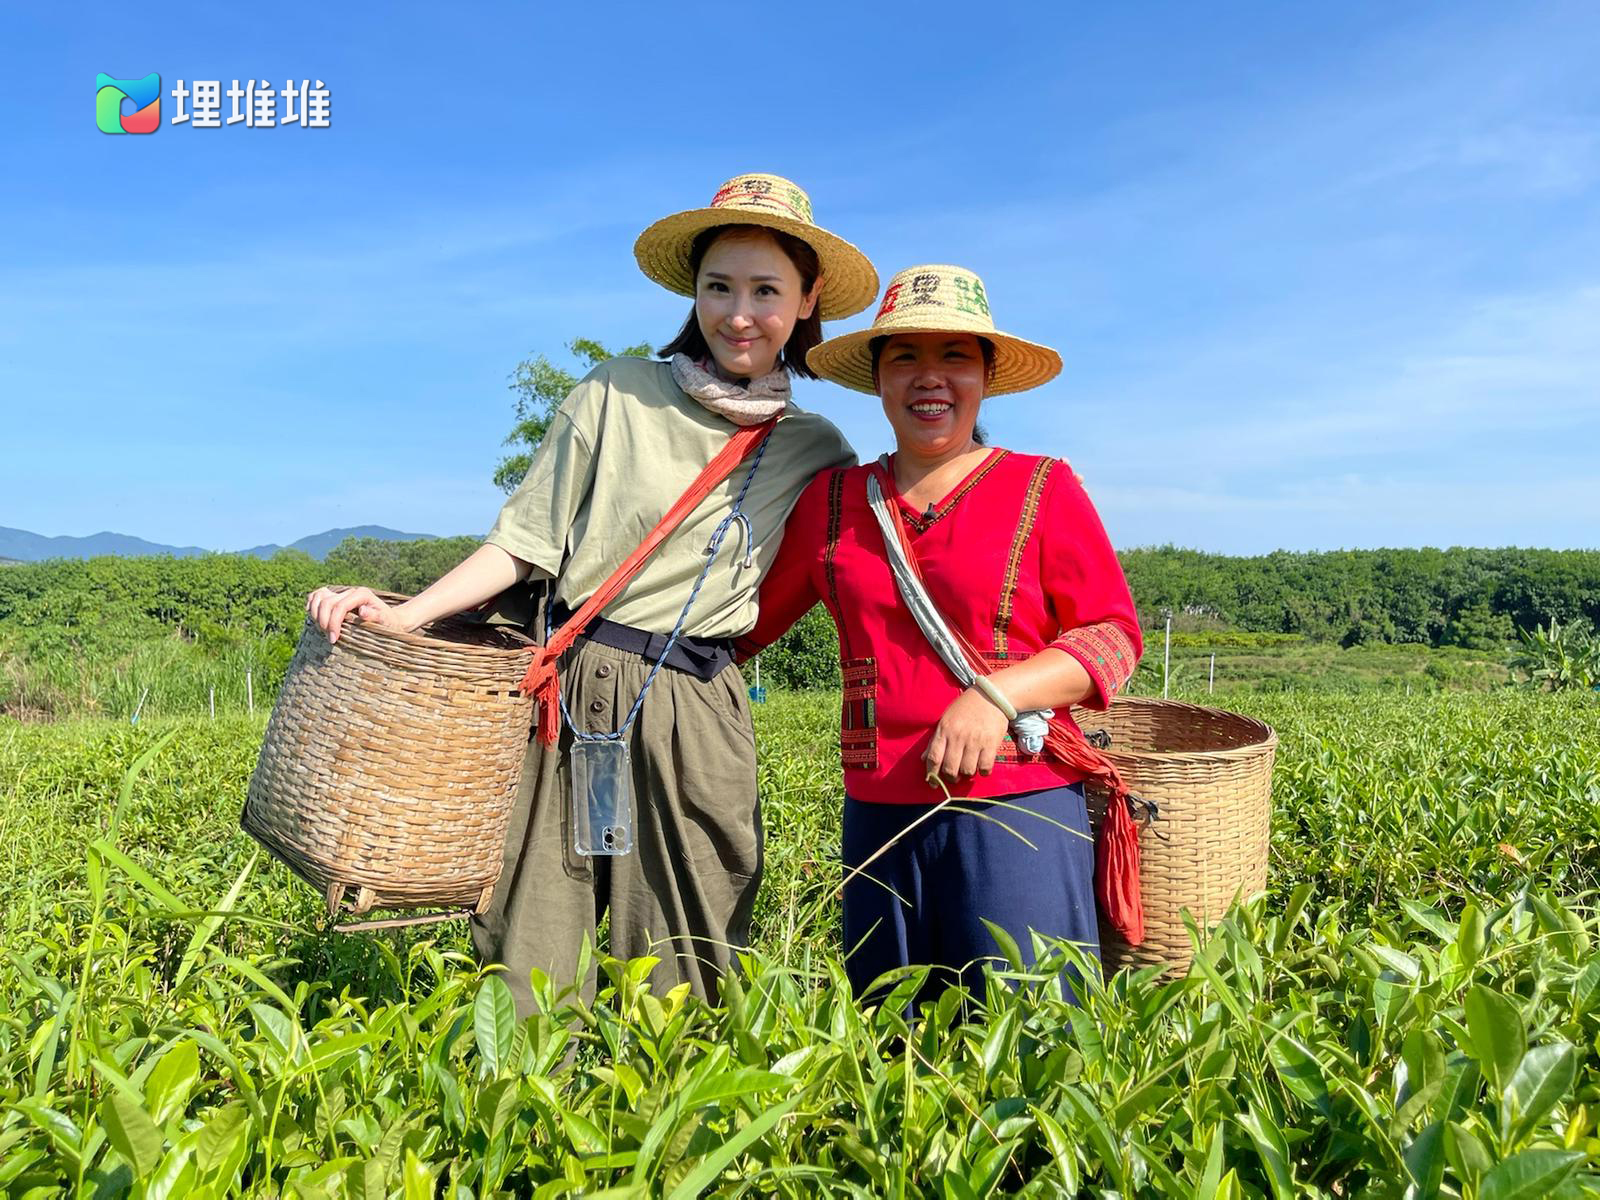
788	591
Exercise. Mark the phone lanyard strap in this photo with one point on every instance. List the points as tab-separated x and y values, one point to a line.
736	517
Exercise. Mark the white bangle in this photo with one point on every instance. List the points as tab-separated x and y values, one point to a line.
996	697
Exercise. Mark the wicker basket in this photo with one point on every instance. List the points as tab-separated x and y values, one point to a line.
1209	774
391	762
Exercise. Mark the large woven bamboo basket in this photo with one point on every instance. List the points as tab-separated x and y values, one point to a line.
1208	773
391	761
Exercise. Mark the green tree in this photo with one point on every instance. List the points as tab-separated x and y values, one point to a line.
806	657
1557	657
404	567
541	386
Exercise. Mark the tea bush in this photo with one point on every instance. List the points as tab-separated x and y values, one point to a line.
1411	1009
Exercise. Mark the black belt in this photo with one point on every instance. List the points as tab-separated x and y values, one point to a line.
701	657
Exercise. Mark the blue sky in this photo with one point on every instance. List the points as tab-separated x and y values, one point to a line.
1322	275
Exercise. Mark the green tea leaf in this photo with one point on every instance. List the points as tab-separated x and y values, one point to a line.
730	1085
167	1087
1529	1174
712	1165
1466	1151
494	1022
1543	1079
207	928
1093	1122
221	1138
1211	1176
1300	1071
1274	1152
1425	1160
1472	936
1586	989
1060	1149
57	1126
1397	961
132	1132
1428	918
418	1179
175	1177
1007	944
1498	1036
125	792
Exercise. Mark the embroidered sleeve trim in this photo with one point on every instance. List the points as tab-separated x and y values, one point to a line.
1106	652
1019	544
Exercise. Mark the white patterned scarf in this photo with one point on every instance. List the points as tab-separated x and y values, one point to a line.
760	400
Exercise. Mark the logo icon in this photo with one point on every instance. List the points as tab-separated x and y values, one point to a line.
110	96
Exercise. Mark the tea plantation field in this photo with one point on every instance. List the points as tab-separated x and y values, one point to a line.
1411	1009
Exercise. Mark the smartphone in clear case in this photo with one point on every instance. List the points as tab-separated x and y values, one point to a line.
602	798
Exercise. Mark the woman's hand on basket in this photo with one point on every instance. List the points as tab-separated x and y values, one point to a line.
329	609
967	737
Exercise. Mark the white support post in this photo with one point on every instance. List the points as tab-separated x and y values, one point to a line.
1211	680
1166	664
249	692
213	702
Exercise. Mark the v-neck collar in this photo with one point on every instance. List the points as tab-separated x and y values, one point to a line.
919	518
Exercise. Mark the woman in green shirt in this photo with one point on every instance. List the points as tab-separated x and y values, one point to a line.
622	449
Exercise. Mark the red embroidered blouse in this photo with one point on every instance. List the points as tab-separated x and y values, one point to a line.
1015	555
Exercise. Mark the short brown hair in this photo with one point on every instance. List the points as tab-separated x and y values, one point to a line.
807	331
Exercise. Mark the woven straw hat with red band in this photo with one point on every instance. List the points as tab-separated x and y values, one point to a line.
849	282
935	298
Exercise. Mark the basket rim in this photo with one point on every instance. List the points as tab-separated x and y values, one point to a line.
1266	742
357	624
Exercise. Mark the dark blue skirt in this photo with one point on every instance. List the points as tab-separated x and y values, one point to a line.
924	900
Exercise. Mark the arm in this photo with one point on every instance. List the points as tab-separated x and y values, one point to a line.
483	574
788	591
1086	664
529	536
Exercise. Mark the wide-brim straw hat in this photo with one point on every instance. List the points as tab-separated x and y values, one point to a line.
849	282
936	298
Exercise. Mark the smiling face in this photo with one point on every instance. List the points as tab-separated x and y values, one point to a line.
748	296
931	385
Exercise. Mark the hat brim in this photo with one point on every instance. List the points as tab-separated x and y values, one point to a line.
1018	363
849	281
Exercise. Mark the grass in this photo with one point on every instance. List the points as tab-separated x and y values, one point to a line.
1413	1007
107	673
1322	667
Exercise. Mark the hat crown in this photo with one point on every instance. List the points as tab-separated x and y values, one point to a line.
935	298
765	193
935	294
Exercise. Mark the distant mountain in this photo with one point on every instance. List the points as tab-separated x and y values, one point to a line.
31	547
318	544
22	546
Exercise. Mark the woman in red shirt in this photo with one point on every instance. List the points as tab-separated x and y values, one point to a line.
1013	555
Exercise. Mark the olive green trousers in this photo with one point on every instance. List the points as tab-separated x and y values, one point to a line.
685	892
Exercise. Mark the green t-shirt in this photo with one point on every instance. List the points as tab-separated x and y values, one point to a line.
623	447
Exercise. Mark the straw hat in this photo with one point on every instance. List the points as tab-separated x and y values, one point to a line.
935	299
849	281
